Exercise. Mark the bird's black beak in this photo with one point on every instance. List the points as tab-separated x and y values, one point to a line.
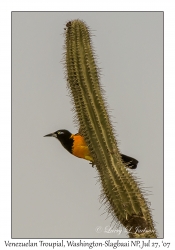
50	135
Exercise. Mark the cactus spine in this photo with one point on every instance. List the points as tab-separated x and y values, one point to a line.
120	190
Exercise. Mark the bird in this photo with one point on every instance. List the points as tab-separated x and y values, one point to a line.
76	145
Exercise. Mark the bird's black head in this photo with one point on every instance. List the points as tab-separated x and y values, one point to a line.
64	136
61	135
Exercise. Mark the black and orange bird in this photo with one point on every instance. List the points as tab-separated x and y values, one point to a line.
76	145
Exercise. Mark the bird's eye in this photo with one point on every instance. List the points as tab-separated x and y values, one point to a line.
60	132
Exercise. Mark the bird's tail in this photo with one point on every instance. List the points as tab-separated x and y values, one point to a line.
131	162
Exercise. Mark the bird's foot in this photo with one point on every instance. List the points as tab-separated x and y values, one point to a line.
92	163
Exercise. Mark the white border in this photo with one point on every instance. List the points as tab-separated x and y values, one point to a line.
5	92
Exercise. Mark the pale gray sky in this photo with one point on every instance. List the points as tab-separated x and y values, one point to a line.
55	195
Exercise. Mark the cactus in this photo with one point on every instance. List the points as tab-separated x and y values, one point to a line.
121	190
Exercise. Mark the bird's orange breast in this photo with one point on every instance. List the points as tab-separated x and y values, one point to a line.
79	148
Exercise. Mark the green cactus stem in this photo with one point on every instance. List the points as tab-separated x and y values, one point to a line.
121	191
